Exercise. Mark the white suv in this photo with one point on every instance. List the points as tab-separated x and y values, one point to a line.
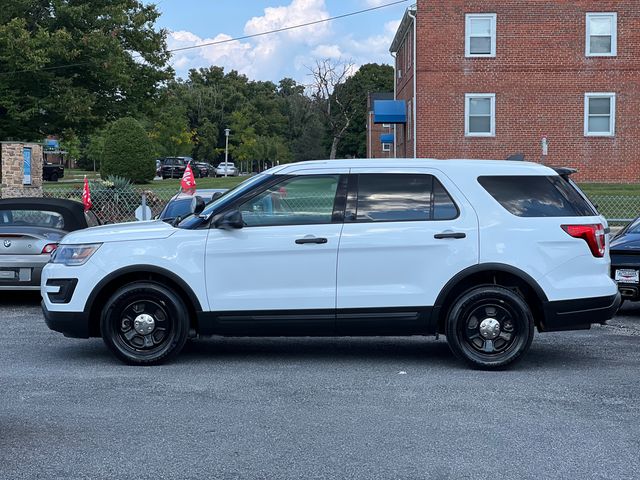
481	251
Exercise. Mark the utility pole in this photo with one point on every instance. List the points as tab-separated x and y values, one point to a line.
226	151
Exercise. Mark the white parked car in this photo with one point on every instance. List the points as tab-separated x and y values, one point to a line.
228	167
481	251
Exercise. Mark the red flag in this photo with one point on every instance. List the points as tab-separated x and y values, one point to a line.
188	182
86	195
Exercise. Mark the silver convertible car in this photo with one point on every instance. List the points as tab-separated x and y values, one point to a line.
30	230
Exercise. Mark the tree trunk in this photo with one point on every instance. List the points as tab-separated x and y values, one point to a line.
334	148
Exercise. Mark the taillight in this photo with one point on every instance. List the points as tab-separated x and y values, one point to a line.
594	235
50	248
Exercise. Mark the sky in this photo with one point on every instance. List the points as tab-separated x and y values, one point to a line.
360	39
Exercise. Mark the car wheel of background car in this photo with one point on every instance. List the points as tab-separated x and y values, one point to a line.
53	177
145	323
489	327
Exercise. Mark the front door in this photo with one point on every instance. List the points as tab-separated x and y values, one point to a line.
406	234
277	275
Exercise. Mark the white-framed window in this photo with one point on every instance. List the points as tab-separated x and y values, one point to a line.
602	34
386	125
480	115
386	147
599	114
480	35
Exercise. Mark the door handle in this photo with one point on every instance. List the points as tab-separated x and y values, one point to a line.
304	241
455	235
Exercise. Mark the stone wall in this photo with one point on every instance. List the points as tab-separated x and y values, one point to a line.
11	159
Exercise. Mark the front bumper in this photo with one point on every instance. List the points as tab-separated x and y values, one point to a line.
71	324
579	314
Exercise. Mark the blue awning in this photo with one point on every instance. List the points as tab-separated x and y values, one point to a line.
386	138
389	111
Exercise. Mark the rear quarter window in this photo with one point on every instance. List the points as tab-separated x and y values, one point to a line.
537	196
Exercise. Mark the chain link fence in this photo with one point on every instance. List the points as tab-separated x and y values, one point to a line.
617	209
119	205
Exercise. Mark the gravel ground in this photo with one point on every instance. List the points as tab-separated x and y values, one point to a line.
393	408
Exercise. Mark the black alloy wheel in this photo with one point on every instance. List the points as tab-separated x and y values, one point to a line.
490	327
145	323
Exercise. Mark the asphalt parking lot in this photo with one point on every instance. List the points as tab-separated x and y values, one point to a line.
317	408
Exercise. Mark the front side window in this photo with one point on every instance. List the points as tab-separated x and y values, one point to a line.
480	36
599	114
602	33
303	200
402	198
480	115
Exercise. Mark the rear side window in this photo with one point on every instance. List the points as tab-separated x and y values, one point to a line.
402	198
537	196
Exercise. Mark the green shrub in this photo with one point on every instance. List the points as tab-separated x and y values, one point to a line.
128	152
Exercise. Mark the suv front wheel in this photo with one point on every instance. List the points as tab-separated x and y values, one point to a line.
145	323
489	327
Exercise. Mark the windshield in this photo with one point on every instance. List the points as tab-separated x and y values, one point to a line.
193	221
178	208
634	228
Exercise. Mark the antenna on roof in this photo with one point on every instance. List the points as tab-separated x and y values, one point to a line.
516	157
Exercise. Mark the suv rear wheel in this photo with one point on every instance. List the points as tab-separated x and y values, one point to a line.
489	327
145	323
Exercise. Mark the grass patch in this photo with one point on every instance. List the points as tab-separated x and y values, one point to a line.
611	189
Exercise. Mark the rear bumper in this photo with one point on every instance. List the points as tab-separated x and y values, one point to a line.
71	324
27	272
579	314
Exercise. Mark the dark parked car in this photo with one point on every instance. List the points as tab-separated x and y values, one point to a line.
30	230
182	204
625	260
202	169
52	172
173	167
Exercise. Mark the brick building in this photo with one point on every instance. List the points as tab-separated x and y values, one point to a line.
495	77
379	135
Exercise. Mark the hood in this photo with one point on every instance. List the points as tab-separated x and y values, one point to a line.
629	242
121	232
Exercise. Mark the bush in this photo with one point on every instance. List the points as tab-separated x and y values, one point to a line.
114	199
128	152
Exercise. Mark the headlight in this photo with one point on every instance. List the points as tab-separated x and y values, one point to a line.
74	255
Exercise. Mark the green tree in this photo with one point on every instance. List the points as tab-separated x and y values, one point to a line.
169	127
128	152
370	78
77	64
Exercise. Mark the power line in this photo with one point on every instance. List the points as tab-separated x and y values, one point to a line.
285	29
228	40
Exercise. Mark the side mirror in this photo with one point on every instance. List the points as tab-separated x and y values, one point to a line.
216	196
229	221
197	205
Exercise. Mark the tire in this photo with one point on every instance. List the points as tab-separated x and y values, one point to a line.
53	177
489	327
145	343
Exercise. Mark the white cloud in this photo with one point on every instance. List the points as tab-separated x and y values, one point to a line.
327	51
263	57
289	53
376	3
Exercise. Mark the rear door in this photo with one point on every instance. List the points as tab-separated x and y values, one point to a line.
406	234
